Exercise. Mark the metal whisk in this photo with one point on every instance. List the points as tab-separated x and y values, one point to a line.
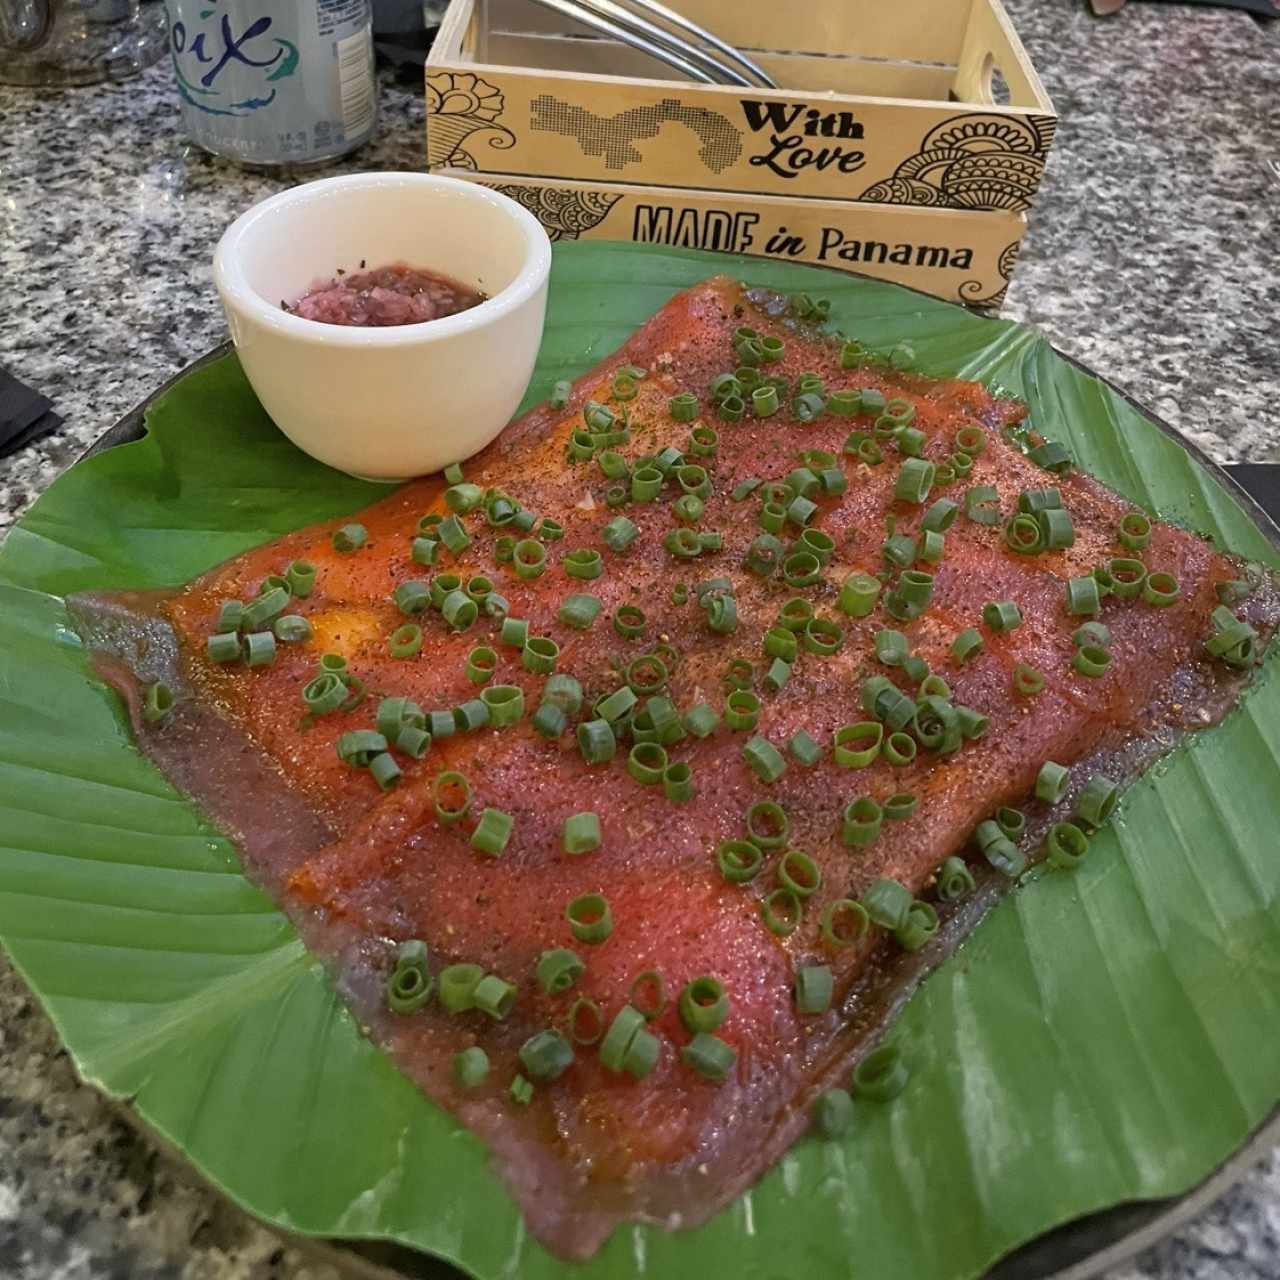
656	30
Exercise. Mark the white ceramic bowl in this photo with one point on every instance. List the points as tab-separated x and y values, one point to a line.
400	401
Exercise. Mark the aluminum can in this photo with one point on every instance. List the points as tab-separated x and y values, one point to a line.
275	83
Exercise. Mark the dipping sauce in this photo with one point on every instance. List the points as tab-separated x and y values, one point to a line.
396	294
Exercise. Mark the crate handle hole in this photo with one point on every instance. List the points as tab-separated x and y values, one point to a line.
994	87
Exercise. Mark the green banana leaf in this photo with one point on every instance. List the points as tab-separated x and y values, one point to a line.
1103	1036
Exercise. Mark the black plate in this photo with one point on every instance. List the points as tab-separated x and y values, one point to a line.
1079	1250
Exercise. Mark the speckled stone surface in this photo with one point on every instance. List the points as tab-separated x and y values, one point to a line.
1153	256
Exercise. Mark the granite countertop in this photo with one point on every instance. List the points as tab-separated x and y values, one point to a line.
1151	256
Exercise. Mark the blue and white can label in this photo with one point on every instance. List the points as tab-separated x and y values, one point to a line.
275	82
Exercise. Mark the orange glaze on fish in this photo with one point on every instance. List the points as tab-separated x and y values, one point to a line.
595	1148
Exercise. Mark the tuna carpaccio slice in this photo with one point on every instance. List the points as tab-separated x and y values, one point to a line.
360	869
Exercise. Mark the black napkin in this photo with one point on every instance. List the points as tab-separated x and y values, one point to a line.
1262	480
405	52
25	415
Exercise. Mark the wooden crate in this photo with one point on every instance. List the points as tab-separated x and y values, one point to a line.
961	257
889	107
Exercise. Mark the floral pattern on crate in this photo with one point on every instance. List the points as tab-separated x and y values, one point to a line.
971	290
982	161
460	104
565	214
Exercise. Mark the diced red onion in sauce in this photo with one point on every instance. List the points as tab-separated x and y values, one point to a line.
391	295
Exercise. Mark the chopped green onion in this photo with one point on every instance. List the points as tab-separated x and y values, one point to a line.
798	872
460	610
861	822
1051	456
412	597
739	860
1159	589
539	654
1097	801
626	1026
891	647
813	989
521	1091
425	550
982	504
1056	528
1002	615
781	911
224	646
515	632
550	530
967	645
919	926
1024	535
899	749
933	686
589	917
722	614
1012	822
647	762
589	1034
1083	596
505	703
596	741
742	710
1091	660
1128	577
915	479
546	1056
615	705
954	880
578	611
764	759
450	797
703	1004
677	782
777	675
900	805
268	606
1135	531
358	746
709	1056
529	557
881	1075
230	618
292	628
157	703
900	550
454	535
409	985
855	746
1066	846
858	595
1027	680
1051	782
458	984
259	648
887	902
351	537
558	969
444	585
822	636
482	662
494	996
470	1067
1034	501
